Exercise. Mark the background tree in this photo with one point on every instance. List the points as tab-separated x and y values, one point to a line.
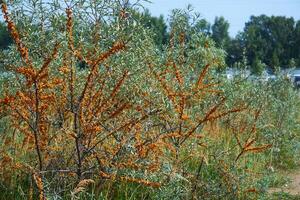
275	63
268	38
256	38
257	66
203	26
220	32
292	63
5	38
157	25
296	47
235	50
281	37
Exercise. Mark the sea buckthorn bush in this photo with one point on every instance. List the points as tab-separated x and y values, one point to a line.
91	108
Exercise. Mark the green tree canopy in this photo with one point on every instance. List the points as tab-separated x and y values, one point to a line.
220	32
5	38
268	38
203	26
157	25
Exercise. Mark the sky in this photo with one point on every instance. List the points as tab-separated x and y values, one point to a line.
237	12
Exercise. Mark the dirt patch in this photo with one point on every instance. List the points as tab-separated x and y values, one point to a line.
292	188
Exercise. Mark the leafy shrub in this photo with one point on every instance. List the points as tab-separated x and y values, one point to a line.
93	109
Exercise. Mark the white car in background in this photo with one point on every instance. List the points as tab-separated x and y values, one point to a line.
296	77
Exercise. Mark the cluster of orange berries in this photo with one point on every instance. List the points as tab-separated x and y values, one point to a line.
14	33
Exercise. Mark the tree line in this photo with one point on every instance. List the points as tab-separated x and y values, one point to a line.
266	42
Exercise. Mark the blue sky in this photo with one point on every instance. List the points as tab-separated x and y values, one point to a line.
237	12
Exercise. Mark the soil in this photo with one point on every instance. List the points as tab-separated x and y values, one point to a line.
293	188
